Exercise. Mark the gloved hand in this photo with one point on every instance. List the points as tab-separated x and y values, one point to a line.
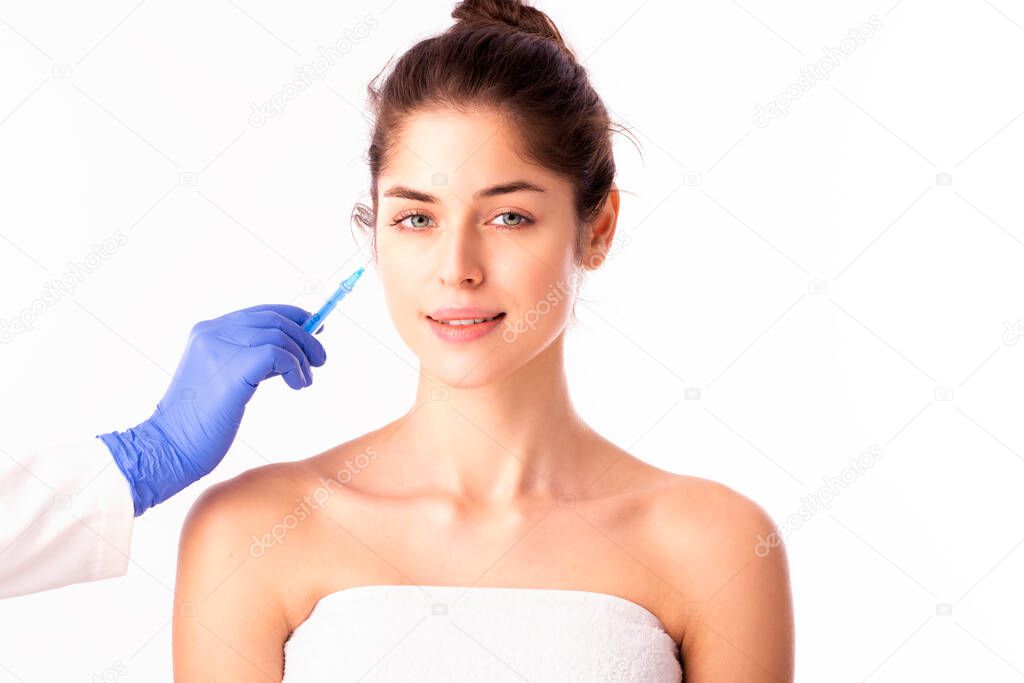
199	415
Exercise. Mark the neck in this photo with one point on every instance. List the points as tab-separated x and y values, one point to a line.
516	436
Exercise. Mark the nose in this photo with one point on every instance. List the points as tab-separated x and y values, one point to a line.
460	261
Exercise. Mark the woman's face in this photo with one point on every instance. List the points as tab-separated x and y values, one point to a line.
464	222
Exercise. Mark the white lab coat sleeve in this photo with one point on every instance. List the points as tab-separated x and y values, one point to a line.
67	517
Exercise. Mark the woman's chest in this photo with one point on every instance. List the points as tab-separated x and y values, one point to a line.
563	546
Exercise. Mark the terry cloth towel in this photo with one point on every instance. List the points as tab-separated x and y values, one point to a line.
486	634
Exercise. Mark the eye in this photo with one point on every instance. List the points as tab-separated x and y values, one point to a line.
517	219
420	222
414	221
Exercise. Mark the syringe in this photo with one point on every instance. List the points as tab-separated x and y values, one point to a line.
317	318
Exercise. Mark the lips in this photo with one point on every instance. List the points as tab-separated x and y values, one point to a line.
463	324
449	314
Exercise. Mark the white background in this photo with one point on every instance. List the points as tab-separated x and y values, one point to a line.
811	278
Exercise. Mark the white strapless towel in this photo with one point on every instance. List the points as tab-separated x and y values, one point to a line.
492	634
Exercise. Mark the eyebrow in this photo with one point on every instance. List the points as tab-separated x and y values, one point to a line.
403	192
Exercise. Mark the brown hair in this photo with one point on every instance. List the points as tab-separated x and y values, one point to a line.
508	57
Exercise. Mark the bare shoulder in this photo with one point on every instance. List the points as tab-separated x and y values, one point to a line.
241	519
729	567
704	508
243	516
711	525
245	499
222	526
219	571
267	493
699	527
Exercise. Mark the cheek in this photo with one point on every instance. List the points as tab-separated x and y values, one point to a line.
542	291
397	280
546	262
398	256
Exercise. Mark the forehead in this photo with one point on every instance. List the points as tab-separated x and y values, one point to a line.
448	147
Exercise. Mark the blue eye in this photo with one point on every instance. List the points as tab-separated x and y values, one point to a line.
420	222
522	220
417	226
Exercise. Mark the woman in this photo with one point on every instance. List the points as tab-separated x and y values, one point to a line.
488	533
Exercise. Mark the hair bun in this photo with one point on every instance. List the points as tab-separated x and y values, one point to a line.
513	13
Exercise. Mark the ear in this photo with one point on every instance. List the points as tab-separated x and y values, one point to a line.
602	231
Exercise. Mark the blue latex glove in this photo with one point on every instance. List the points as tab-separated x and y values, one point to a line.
198	417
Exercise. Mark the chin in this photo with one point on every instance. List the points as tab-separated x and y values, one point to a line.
461	375
465	368
462	367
